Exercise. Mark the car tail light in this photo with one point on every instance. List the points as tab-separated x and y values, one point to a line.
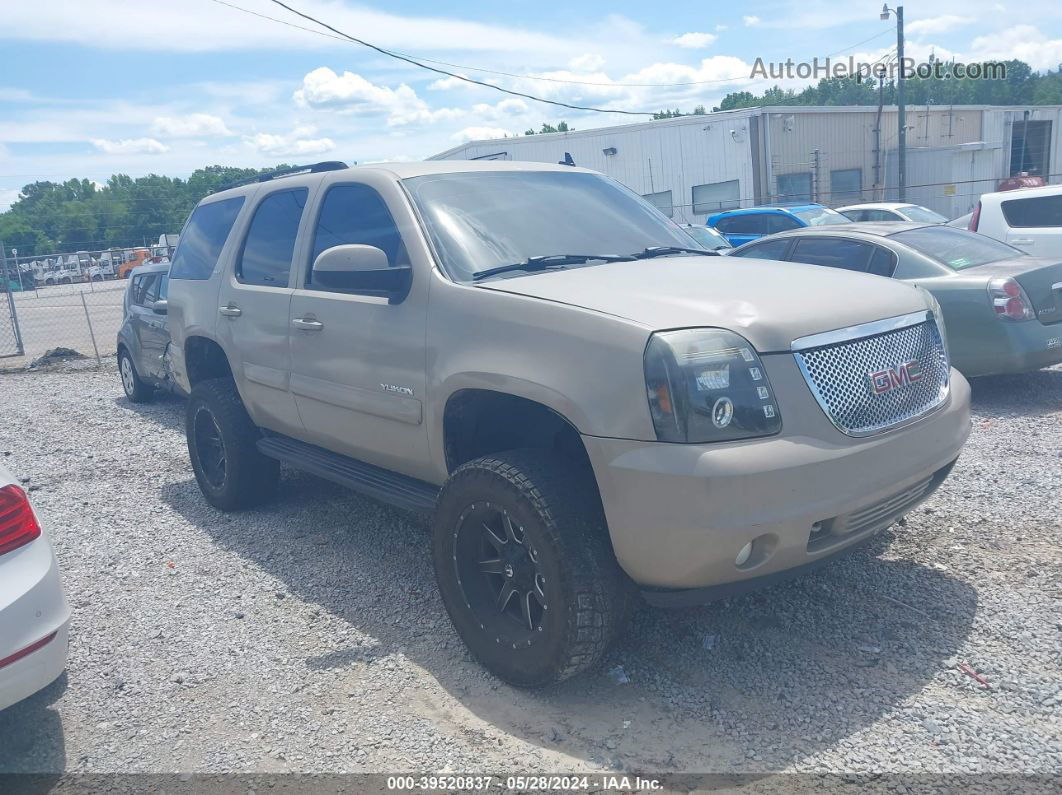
18	525
1009	301
975	218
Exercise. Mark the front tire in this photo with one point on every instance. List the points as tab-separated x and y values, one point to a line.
135	388
525	568
231	472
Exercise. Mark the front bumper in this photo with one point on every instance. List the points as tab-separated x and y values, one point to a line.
32	607
679	515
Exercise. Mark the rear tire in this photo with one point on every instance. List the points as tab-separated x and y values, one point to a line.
529	521
231	472
135	388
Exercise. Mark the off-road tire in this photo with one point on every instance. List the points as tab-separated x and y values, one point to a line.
132	384
249	478
558	509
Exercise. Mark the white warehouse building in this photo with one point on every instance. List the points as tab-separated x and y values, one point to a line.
692	166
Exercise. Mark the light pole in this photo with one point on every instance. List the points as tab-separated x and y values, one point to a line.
901	165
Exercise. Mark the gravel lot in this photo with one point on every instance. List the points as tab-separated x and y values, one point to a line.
309	636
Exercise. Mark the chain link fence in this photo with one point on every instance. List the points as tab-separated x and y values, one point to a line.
81	317
71	301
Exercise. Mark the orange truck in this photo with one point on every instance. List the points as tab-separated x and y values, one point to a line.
135	258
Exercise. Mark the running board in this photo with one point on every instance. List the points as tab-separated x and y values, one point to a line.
372	481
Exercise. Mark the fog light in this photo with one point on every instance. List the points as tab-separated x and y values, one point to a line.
744	555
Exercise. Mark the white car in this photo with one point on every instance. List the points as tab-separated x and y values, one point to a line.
1027	218
892	211
34	614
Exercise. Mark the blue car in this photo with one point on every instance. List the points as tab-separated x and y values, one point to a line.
751	223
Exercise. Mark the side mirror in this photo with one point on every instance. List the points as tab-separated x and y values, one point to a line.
160	307
364	269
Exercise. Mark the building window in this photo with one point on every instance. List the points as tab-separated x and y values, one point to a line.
661	201
846	186
794	187
716	196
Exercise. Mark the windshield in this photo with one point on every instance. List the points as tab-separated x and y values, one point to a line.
485	219
821	216
956	248
923	214
710	238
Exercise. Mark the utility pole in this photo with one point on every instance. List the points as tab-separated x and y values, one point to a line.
902	109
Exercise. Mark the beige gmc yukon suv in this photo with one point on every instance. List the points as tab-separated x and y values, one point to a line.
587	403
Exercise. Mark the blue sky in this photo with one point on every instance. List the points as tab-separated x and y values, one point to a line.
94	87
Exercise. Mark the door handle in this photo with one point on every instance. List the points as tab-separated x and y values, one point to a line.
230	310
307	324
1023	241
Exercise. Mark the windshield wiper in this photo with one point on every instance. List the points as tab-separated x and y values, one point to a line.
660	251
533	264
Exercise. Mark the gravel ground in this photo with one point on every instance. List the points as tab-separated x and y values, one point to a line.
309	636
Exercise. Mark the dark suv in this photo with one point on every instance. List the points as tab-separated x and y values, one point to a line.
144	338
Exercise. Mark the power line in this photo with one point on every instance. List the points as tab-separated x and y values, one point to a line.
541	78
415	62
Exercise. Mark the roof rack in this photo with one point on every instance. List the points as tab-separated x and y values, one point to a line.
313	168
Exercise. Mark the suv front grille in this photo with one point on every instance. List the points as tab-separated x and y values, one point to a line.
878	376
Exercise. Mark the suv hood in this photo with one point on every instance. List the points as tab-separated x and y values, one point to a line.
769	303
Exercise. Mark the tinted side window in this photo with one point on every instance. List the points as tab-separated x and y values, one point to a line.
203	238
145	289
267	251
881	215
752	224
151	288
1034	211
882	262
834	252
136	290
768	249
779	223
356	214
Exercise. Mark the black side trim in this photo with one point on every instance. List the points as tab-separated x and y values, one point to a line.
372	481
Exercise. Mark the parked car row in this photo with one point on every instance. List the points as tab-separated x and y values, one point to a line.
84	266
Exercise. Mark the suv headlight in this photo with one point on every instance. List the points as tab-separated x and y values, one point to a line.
708	385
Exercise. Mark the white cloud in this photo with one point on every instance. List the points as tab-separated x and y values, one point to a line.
721	28
447	83
8	196
1024	42
695	41
191	125
297	142
130	146
119	25
751	22
587	62
941	24
479	133
351	93
505	108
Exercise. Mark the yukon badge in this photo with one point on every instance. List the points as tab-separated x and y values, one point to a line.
905	374
398	390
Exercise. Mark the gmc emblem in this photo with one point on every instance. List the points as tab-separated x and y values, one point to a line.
905	374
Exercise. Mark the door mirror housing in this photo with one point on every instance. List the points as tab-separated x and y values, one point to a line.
358	268
160	307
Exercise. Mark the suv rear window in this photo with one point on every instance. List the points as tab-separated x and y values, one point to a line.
203	238
1034	211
